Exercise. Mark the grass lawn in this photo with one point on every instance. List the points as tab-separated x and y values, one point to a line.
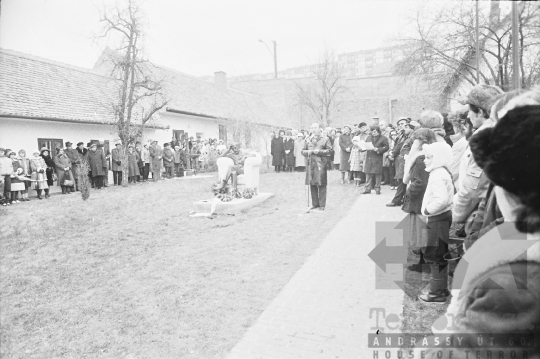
127	274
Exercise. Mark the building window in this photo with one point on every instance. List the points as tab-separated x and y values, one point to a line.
222	132
50	144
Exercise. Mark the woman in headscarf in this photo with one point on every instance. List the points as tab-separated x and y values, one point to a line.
50	166
63	171
496	287
133	164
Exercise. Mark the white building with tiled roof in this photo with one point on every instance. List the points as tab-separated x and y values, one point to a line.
46	103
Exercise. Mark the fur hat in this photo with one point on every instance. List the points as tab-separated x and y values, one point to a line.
80	143
43	149
362	124
431	119
507	153
482	96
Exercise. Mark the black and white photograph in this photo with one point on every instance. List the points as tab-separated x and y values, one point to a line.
269	179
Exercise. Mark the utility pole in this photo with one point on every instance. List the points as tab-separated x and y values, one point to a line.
275	58
477	47
516	81
274	55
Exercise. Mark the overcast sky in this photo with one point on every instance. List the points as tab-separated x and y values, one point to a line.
200	37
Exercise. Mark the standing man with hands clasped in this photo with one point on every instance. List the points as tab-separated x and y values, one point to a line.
318	150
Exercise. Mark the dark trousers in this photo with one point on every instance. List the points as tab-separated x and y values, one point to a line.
400	192
146	171
373	181
362	177
392	171
169	172
141	171
386	175
98	181
117	177
438	235
318	195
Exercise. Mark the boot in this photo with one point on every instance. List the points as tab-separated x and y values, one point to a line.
63	189
342	177
438	286
378	191
39	194
68	190
47	195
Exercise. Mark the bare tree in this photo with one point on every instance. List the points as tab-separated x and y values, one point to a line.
323	96
139	91
443	49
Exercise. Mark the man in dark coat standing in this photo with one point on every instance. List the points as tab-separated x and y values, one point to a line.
75	159
374	159
277	151
288	147
398	155
98	165
318	150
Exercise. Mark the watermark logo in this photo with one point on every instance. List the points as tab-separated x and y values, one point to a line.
394	240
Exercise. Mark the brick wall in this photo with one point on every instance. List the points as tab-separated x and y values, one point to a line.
364	99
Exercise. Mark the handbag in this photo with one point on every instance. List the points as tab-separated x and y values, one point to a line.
68	182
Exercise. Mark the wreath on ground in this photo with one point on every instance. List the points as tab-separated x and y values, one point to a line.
227	193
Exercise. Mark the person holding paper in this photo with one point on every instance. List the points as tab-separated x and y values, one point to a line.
376	146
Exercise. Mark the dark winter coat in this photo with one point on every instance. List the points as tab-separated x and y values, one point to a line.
374	159
180	157
156	154
97	163
168	157
50	169
61	162
116	156
345	141
133	164
487	216
400	159
82	153
277	151
288	145
75	159
316	165
412	202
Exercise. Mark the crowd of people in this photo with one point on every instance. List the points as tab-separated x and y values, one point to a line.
19	174
470	178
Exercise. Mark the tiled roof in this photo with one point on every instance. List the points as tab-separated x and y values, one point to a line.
38	88
190	94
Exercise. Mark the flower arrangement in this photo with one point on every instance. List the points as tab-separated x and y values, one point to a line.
227	193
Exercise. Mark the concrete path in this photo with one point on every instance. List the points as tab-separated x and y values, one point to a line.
324	310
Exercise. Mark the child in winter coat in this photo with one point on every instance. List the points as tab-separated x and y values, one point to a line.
356	160
437	207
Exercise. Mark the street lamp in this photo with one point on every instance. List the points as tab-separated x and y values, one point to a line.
274	55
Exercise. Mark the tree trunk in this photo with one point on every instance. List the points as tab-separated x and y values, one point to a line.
125	165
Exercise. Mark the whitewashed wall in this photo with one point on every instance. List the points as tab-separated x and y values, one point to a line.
20	134
209	128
